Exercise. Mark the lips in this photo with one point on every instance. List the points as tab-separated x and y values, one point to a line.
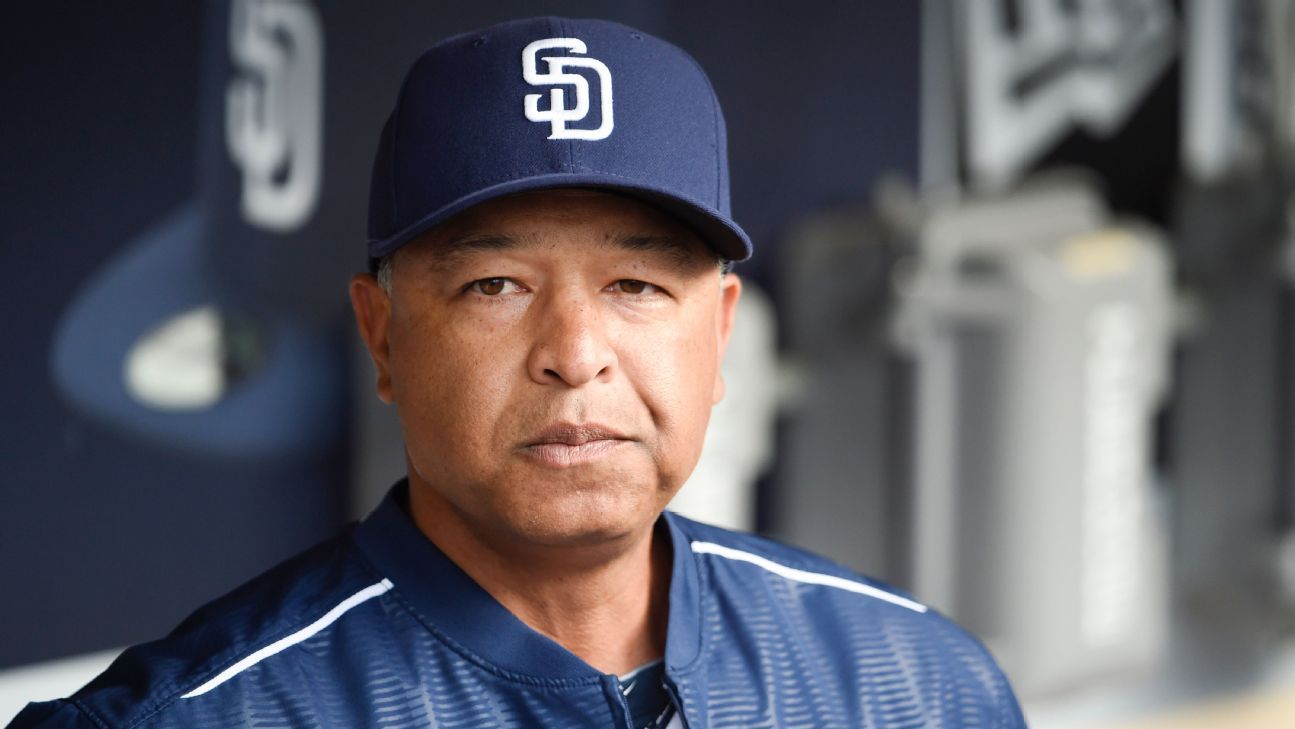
571	444
574	435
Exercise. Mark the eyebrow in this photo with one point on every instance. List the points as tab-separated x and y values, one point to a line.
450	252
680	253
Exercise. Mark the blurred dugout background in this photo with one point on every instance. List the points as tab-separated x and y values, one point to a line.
1018	338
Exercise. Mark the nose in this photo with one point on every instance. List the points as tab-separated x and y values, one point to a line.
571	345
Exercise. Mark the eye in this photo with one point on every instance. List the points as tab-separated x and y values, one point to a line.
491	286
634	286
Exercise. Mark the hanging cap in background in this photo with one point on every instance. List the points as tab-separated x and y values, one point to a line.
547	103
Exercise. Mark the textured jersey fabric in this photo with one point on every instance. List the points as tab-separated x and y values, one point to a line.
378	628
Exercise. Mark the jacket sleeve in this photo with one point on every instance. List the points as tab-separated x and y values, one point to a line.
58	714
1008	714
1011	715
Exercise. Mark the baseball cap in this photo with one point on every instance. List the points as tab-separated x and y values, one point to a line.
549	103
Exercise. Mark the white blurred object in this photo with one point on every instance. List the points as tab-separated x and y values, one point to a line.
739	439
1039	328
1036	69
1210	136
1238	111
179	365
274	116
49	680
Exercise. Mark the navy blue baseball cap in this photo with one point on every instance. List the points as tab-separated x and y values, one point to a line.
549	103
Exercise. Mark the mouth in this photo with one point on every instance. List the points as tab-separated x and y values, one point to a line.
570	444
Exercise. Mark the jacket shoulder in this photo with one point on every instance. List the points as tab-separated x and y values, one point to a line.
706	538
863	628
146	679
57	714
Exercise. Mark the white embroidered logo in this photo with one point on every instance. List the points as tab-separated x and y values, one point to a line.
558	115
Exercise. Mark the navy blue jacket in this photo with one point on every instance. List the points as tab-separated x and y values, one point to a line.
378	627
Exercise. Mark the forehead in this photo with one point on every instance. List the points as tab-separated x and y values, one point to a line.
547	216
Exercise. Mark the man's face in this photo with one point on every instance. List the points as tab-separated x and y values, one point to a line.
553	357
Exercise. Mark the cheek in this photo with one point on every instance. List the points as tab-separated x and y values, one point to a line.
449	383
675	376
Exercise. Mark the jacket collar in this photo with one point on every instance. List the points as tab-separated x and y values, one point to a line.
450	603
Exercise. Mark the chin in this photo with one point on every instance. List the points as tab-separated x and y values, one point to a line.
587	519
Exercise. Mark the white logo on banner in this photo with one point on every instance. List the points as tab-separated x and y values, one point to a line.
273	109
559	114
1059	65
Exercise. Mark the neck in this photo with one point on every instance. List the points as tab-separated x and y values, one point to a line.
605	602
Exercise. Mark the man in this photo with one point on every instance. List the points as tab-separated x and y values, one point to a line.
550	303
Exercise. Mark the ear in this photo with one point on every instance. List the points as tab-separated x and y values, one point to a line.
372	308
729	292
